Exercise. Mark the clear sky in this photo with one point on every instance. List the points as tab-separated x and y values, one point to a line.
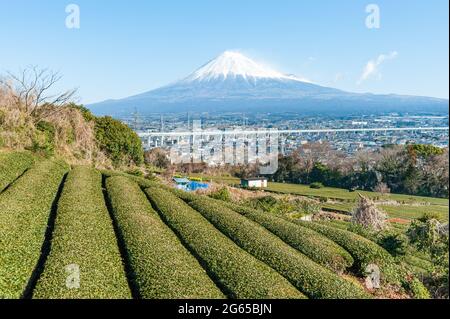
128	47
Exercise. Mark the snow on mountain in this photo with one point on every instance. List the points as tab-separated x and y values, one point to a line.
233	82
234	64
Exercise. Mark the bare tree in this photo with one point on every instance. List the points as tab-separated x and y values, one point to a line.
33	89
382	188
368	215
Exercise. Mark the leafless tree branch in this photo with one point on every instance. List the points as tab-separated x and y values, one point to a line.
33	88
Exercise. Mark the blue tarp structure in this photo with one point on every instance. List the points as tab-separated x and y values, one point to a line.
189	186
193	186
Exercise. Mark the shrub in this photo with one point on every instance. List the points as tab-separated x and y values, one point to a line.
12	165
418	290
316	185
136	172
119	141
309	207
382	188
429	236
24	213
271	204
429	216
83	236
222	194
157	157
238	273
310	278
163	268
44	139
87	115
395	242
312	244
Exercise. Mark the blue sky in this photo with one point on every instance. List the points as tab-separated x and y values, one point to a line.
128	47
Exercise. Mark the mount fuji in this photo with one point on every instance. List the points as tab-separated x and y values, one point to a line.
234	83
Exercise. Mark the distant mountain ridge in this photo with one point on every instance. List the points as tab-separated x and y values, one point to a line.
234	83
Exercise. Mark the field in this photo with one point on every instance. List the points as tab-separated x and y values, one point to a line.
79	233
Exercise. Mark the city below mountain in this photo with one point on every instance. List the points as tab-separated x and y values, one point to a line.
234	83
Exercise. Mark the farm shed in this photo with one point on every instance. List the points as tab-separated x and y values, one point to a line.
258	182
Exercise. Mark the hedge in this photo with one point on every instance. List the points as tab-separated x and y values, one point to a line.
143	182
364	251
162	267
12	165
24	214
311	278
314	245
239	274
83	236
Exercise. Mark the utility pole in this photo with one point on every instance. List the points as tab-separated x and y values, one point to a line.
188	121
162	123
135	119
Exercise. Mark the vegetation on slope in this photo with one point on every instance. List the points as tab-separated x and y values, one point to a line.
312	244
118	141
366	252
25	209
50	124
239	274
162	267
83	236
311	278
12	165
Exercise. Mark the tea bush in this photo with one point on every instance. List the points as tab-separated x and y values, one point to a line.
312	244
12	165
83	236
239	274
24	214
312	279
162	267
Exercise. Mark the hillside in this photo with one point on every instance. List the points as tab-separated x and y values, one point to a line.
157	242
51	124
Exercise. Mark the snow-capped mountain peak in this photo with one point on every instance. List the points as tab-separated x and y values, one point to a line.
234	83
232	64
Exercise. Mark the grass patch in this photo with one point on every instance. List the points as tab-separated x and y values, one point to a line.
83	236
24	214
346	195
162	267
238	273
409	212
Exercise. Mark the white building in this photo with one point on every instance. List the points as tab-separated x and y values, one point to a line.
257	182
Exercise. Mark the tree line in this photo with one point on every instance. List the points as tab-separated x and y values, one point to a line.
413	169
